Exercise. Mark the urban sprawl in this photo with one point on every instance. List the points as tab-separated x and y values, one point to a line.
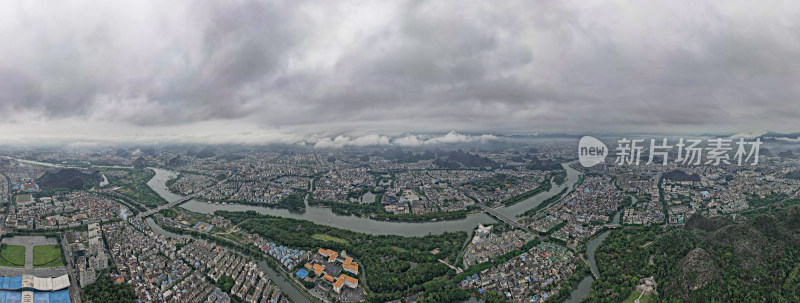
250	233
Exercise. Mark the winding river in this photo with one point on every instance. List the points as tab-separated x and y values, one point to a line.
325	216
584	287
65	165
359	224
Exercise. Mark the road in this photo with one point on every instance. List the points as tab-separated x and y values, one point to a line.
7	198
458	270
74	287
148	213
501	217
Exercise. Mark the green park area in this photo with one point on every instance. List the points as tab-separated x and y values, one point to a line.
133	185
636	295
325	237
12	255
47	256
397	265
399	249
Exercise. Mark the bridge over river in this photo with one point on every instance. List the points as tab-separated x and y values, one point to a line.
179	201
497	215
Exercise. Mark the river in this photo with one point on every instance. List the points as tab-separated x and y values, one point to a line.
325	216
584	287
359	224
61	165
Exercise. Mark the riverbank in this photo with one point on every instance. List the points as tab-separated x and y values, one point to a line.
325	216
359	224
374	211
544	186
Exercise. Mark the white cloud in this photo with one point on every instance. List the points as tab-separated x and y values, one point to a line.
748	135
449	138
790	140
410	140
453	137
341	141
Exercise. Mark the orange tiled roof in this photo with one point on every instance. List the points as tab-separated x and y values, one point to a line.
328	252
318	269
351	266
349	279
339	282
328	278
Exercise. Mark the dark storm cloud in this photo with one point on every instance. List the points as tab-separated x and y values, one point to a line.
394	67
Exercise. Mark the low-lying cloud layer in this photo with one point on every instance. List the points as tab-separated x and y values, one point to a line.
409	140
366	73
91	133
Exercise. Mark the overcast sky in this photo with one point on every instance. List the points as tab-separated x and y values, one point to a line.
385	71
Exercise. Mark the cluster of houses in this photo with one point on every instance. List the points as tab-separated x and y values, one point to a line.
486	245
288	257
145	260
73	209
532	276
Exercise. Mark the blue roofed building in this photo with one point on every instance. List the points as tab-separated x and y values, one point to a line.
33	289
